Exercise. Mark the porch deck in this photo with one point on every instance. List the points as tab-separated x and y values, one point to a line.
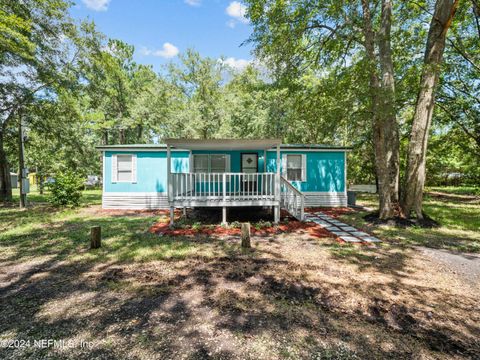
232	189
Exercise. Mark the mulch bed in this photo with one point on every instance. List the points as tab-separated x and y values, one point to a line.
427	222
162	228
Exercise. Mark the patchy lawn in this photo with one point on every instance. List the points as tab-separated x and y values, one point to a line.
293	296
458	213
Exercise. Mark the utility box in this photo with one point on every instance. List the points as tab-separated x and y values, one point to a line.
351	198
26	186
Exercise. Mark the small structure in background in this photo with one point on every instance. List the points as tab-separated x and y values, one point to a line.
14	180
95	237
92	181
363	188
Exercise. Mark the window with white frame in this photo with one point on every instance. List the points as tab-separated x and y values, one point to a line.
294	167
124	168
210	163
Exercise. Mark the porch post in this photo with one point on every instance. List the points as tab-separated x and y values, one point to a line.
277	188
170	184
224	215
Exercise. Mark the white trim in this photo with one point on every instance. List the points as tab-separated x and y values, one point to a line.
114	169
345	173
115	165
283	166
134	168
304	167
103	172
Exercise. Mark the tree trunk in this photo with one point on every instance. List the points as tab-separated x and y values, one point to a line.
41	184
21	165
121	135
5	180
105	137
385	127
412	197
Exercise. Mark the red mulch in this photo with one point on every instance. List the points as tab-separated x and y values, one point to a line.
288	227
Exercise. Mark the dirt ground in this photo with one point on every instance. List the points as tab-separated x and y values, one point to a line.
293	296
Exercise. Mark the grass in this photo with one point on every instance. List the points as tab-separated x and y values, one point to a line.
457	190
147	296
459	218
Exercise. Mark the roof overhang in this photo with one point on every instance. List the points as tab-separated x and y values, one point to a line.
223	144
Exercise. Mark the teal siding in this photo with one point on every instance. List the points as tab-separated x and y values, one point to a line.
151	170
325	170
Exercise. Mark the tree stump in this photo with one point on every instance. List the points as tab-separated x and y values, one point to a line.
245	235
95	237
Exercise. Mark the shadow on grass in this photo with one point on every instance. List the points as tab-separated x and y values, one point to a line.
199	289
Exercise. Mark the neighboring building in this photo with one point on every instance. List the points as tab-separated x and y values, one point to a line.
224	173
14	180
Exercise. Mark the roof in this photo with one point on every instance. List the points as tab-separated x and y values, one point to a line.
221	144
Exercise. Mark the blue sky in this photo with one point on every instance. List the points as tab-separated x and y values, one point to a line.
160	29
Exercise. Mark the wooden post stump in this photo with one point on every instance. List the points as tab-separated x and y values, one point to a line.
245	235
95	237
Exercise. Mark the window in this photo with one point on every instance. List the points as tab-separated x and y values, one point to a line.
124	168
200	163
294	167
210	163
218	163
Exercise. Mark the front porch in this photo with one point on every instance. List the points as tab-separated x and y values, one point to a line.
249	187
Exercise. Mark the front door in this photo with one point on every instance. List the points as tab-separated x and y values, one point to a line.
249	166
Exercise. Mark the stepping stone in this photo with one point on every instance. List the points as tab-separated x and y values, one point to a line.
321	223
359	233
371	239
352	239
348	228
340	233
332	228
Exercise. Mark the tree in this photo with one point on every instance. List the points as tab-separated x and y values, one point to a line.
417	149
33	47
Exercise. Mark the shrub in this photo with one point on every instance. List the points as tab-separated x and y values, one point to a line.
66	189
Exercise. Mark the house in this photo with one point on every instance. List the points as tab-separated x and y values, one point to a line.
224	173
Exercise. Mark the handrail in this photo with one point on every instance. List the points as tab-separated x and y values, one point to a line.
223	186
292	199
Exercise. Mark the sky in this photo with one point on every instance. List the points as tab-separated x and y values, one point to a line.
161	29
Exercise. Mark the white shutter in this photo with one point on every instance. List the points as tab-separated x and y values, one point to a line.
134	168
304	167
284	166
227	163
114	168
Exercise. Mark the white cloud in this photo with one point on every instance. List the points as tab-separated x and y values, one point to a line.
97	5
231	23
236	64
237	11
167	51
193	2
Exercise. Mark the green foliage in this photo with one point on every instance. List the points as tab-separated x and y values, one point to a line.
66	190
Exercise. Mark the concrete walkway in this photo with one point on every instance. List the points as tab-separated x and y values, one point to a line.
345	232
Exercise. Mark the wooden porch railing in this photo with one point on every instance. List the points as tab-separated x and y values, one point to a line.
291	199
222	186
